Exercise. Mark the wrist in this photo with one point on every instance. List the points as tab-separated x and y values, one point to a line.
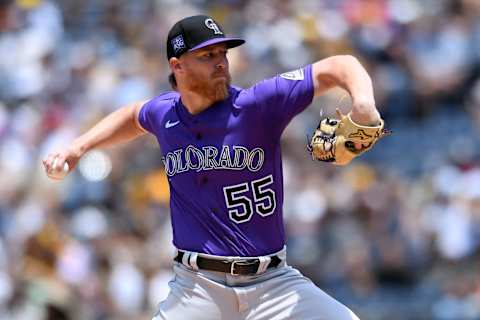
365	113
371	119
78	148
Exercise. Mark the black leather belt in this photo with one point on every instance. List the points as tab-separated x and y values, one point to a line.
239	266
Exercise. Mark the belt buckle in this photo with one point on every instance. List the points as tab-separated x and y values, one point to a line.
239	262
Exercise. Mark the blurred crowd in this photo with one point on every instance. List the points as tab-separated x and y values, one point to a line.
394	235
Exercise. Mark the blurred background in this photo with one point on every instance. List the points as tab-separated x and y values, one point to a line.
394	235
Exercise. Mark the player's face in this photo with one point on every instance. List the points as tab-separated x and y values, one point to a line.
206	71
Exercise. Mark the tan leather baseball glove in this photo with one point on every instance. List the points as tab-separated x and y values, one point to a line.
334	139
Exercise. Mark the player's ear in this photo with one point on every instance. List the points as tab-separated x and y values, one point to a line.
175	64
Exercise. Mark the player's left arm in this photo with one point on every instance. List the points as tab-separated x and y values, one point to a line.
346	71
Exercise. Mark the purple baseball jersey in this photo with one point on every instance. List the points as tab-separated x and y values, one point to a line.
224	164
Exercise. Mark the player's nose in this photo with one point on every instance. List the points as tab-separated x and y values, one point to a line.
221	63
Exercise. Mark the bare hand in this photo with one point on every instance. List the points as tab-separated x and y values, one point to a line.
58	164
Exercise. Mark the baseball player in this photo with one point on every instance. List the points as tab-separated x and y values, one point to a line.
221	151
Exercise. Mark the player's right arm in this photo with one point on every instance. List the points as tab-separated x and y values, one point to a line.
347	72
118	127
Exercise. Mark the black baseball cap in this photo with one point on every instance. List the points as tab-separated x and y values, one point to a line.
196	32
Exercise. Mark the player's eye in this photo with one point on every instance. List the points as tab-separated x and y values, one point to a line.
210	55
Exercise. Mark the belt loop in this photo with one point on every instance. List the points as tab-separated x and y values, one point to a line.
185	258
193	260
264	262
282	255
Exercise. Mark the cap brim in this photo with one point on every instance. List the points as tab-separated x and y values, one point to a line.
231	43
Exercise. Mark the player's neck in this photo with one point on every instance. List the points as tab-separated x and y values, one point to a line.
195	102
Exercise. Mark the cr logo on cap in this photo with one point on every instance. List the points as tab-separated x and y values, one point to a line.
212	25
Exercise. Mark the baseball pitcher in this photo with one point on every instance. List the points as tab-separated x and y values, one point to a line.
221	151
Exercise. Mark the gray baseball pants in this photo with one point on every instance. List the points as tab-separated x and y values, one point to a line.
277	294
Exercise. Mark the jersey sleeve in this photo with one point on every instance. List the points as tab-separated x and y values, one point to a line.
284	96
146	117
